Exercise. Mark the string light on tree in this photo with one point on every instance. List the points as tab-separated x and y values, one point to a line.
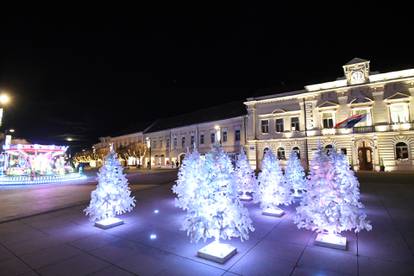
273	189
295	175
331	204
245	177
215	210
112	195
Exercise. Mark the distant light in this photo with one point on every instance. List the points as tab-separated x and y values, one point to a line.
216	127
69	139
4	99
156	211
11	130
153	236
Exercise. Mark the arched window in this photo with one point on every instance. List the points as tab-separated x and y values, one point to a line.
401	151
265	150
281	154
296	149
328	149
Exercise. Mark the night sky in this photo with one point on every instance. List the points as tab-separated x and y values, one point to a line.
86	73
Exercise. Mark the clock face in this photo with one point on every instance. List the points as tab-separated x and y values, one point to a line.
357	76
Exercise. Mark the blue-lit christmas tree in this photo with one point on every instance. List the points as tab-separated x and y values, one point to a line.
245	177
295	175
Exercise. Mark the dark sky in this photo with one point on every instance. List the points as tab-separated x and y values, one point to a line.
85	73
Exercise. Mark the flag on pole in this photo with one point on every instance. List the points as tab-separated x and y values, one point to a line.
351	121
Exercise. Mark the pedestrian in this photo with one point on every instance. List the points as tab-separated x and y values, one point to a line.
176	163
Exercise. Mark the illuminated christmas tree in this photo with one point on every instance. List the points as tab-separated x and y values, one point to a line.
245	177
190	176
215	210
273	189
331	204
295	174
112	195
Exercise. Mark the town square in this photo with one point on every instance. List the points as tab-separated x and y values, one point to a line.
238	140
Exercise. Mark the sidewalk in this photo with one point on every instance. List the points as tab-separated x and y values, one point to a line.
66	243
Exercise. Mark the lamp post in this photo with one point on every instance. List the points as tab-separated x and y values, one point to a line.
149	148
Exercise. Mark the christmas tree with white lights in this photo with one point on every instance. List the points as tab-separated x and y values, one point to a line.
215	211
331	204
190	176
273	189
245	177
295	174
112	195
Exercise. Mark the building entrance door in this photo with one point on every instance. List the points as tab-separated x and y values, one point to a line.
365	157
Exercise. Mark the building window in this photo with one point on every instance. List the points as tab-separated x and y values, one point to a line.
328	120
399	113
265	150
365	122
328	149
237	135
167	143
296	149
281	154
265	126
294	122
175	142
160	143
343	151
401	151
154	144
279	125
183	142
202	139
192	140
224	136
213	138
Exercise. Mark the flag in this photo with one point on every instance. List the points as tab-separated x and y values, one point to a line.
351	121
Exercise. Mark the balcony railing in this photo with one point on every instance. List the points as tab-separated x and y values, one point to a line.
363	129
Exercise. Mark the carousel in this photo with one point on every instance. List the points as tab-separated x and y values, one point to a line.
32	164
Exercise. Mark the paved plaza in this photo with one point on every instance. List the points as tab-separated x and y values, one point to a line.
64	242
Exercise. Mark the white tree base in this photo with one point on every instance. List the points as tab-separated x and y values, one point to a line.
217	252
245	197
330	240
273	212
109	223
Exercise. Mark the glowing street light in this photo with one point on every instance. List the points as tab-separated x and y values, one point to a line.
69	139
11	130
4	99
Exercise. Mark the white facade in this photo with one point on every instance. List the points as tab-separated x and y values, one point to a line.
385	137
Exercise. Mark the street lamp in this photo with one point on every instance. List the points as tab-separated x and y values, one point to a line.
4	100
149	147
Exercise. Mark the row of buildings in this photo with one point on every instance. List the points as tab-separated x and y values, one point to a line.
297	121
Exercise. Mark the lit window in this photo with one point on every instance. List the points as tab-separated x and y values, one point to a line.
237	135
279	125
399	113
294	121
265	126
327	120
401	151
281	154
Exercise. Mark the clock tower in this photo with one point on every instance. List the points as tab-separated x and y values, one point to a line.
357	71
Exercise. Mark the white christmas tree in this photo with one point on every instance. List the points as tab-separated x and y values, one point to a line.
112	195
331	204
245	177
190	176
215	210
295	175
273	189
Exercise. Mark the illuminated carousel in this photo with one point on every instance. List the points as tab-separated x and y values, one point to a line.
33	164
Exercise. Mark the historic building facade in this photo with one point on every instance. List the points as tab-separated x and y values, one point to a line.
299	120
